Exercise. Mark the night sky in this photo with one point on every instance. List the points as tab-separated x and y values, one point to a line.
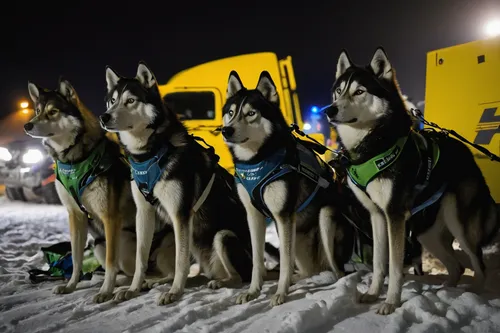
46	39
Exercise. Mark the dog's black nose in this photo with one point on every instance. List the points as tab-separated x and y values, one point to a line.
105	117
28	126
227	131
331	110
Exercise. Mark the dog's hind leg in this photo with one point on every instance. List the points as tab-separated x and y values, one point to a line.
438	241
472	249
165	262
78	234
307	248
226	246
327	228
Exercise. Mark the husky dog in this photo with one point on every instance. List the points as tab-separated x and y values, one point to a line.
183	181
397	173
272	181
91	182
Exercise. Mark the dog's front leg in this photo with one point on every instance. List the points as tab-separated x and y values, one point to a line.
379	229
286	232
257	225
78	224
112	221
145	225
396	228
183	227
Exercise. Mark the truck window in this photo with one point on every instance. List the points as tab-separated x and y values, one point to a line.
192	105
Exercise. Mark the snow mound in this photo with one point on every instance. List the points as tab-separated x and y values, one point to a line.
317	304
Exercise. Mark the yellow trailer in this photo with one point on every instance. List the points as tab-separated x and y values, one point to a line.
463	93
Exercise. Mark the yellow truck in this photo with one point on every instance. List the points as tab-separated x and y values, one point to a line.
463	93
197	94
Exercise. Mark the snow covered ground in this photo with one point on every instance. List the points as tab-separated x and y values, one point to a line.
314	305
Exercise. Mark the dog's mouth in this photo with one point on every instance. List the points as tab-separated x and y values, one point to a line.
39	136
237	142
337	122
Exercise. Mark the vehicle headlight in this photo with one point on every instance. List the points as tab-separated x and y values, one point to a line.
32	156
4	154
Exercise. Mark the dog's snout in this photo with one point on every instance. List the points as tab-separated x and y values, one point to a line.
105	117
28	126
227	131
331	110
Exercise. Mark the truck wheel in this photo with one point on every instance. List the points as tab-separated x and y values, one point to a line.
49	194
15	194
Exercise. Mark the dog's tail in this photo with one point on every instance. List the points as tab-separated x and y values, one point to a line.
492	225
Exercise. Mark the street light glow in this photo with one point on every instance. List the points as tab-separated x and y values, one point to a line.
25	111
492	28
24	105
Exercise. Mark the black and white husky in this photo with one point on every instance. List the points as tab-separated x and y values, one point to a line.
279	177
182	180
399	175
92	182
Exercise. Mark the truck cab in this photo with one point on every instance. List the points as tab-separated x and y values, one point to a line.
198	94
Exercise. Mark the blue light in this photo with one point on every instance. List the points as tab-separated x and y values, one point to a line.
314	109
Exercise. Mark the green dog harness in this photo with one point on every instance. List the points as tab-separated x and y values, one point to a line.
76	177
362	174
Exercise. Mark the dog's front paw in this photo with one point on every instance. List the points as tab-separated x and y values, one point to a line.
125	295
63	289
278	299
168	298
386	309
247	297
102	297
368	298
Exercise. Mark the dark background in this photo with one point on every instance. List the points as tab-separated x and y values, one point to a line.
44	39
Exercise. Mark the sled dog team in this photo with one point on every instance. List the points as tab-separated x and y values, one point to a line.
166	200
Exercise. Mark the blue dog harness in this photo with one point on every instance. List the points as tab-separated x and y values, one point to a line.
147	173
255	177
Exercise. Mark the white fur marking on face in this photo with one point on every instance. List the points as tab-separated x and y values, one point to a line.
351	136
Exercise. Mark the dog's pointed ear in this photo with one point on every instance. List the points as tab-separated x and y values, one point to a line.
145	75
67	90
34	92
380	65
234	84
112	78
267	87
343	63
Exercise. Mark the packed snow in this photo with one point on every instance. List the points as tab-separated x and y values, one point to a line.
317	304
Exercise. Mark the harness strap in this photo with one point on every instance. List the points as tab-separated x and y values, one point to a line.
205	194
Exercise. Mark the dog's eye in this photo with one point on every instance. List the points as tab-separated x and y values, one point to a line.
112	100
358	92
37	110
338	90
251	114
53	112
130	101
230	113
